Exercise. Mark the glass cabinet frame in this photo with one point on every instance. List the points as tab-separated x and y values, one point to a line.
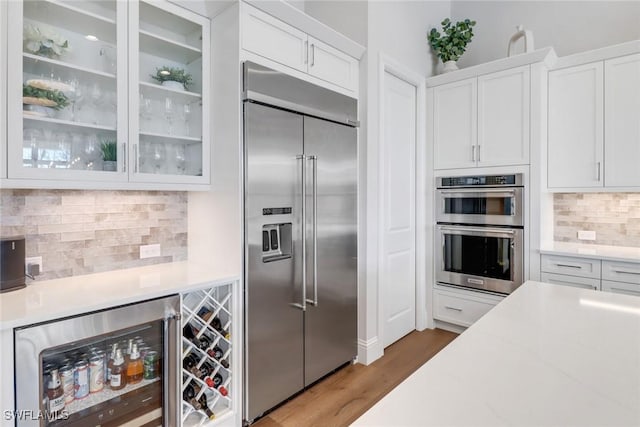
128	174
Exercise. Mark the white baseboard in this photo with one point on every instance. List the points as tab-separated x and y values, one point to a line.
450	327
369	350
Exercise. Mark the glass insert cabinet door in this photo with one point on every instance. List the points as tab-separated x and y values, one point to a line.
66	86
167	88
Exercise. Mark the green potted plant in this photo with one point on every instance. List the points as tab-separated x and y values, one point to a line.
173	78
452	43
109	149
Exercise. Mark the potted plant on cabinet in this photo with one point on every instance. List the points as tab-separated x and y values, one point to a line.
173	78
109	150
452	43
42	101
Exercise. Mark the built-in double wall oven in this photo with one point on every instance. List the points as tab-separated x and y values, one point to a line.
480	231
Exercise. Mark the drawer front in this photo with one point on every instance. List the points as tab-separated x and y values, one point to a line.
571	266
575	281
621	288
621	271
459	310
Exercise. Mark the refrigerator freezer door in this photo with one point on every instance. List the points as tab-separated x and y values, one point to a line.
273	187
331	326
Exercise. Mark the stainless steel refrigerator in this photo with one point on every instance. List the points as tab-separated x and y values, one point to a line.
300	184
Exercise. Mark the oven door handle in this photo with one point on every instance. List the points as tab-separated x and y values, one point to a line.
499	192
462	230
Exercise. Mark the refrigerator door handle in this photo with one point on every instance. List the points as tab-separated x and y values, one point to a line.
314	234
303	306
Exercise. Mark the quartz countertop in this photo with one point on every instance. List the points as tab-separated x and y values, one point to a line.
611	253
69	296
547	355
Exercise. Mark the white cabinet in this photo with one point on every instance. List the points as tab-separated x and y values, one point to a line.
455	124
483	121
277	41
461	307
621	116
572	266
3	90
575	152
593	124
621	288
88	114
628	272
574	281
503	118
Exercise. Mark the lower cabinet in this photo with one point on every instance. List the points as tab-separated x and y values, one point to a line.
461	307
609	276
208	371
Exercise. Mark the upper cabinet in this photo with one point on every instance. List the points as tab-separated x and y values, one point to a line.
482	121
593	124
283	44
92	100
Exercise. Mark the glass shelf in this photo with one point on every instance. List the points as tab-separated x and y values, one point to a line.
178	94
53	123
33	64
171	138
167	48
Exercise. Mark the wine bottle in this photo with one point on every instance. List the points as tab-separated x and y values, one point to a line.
189	395
190	363
217	325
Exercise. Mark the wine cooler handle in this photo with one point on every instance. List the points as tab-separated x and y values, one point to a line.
172	335
303	221
314	234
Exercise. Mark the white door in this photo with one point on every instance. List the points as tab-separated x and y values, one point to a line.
455	124
575	127
503	118
398	250
621	129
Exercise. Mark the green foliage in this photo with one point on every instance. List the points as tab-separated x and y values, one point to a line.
174	74
109	150
53	95
451	44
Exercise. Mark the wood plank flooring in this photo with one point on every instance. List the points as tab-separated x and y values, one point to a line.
341	398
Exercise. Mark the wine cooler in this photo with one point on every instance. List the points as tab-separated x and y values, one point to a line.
108	368
206	355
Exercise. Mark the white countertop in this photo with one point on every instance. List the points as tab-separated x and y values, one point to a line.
547	355
611	253
52	299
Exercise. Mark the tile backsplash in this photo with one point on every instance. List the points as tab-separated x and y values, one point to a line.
81	232
615	217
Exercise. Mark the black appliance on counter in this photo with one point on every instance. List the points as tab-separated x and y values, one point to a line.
11	264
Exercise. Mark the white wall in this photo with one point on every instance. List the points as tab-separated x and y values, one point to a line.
568	26
346	17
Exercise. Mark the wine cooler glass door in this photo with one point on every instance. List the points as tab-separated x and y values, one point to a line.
106	368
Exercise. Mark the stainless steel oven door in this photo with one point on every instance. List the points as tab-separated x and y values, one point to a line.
490	206
487	258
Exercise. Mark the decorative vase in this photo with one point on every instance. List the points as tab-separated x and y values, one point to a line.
170	84
449	66
110	165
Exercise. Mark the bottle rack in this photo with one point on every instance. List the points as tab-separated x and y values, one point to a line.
216	301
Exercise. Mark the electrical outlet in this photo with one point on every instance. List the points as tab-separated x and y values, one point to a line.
586	235
32	261
149	251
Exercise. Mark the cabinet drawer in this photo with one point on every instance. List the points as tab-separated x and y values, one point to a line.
621	271
458	309
571	266
621	288
576	282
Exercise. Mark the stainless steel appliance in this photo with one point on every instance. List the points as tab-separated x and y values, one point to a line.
480	232
12	275
77	349
300	183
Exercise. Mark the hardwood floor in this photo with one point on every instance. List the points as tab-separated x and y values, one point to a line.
340	399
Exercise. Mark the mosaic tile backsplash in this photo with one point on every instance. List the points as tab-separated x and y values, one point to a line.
82	232
615	217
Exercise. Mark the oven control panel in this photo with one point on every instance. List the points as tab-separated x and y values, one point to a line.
481	181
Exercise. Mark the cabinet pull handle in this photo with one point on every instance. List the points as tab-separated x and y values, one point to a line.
135	157
124	157
306	51
569	266
627	272
478	152
473	153
313	54
452	308
598	171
